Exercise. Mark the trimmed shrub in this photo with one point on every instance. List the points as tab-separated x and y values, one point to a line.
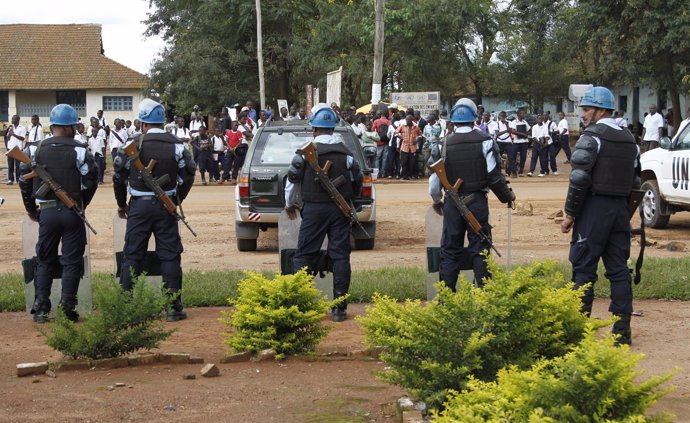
595	382
284	313
121	323
436	347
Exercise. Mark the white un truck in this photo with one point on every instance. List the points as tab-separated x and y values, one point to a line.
665	173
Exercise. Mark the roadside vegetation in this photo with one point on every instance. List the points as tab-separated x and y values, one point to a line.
665	279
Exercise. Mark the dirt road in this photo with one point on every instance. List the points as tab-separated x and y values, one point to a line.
399	237
295	391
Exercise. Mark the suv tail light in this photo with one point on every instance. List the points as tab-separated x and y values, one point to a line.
366	186
243	185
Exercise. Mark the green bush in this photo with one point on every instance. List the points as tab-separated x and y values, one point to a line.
595	382
121	323
284	313
436	347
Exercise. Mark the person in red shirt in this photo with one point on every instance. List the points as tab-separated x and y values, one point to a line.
408	147
232	156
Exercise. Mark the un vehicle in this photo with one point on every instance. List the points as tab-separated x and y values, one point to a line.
665	174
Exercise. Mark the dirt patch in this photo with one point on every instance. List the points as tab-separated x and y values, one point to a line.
296	390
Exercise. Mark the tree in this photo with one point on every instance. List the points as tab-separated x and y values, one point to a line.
631	41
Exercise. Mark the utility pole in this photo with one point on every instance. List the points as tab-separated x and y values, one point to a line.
260	55
379	37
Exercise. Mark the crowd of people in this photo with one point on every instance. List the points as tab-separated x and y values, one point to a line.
403	138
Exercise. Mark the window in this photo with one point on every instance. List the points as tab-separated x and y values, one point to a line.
683	141
623	102
117	103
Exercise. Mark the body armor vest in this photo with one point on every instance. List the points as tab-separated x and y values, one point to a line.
161	147
465	159
614	170
59	157
337	153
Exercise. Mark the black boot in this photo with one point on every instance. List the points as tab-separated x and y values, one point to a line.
176	312
41	307
339	313
621	330
68	304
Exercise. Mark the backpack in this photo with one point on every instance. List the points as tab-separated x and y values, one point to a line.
383	133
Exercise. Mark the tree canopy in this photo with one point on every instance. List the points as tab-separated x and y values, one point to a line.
526	50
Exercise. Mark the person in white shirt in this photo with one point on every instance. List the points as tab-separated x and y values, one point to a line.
219	146
16	137
96	145
564	137
553	139
621	120
652	129
136	129
182	133
36	131
500	131
541	140
79	133
520	130
118	138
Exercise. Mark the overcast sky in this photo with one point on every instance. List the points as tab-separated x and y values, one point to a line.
120	19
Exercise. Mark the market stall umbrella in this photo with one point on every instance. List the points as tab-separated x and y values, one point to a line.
367	107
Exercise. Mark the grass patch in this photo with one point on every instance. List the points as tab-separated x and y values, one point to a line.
662	278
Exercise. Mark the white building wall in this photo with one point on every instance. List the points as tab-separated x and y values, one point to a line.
94	103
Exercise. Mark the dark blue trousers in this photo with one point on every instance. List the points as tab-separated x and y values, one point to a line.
603	231
57	224
148	216
319	220
539	152
455	228
517	148
564	143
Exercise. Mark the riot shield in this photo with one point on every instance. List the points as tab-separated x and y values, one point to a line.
84	294
151	265
433	228
288	233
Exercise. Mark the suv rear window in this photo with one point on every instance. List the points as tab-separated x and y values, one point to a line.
279	149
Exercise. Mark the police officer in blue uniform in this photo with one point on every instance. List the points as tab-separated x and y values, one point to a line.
474	156
320	215
145	214
73	167
605	169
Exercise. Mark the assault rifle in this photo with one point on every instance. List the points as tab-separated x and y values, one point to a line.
451	192
634	201
155	184
49	184
309	151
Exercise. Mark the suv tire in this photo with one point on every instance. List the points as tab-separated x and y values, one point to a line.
364	244
246	244
652	204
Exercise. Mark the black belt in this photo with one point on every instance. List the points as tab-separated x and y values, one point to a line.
144	197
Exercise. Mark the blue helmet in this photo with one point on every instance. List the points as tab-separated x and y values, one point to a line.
599	97
322	116
464	111
151	111
63	115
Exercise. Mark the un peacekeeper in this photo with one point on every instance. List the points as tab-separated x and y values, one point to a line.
472	155
145	214
605	169
320	215
74	169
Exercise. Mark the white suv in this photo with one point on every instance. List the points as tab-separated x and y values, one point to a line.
665	174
